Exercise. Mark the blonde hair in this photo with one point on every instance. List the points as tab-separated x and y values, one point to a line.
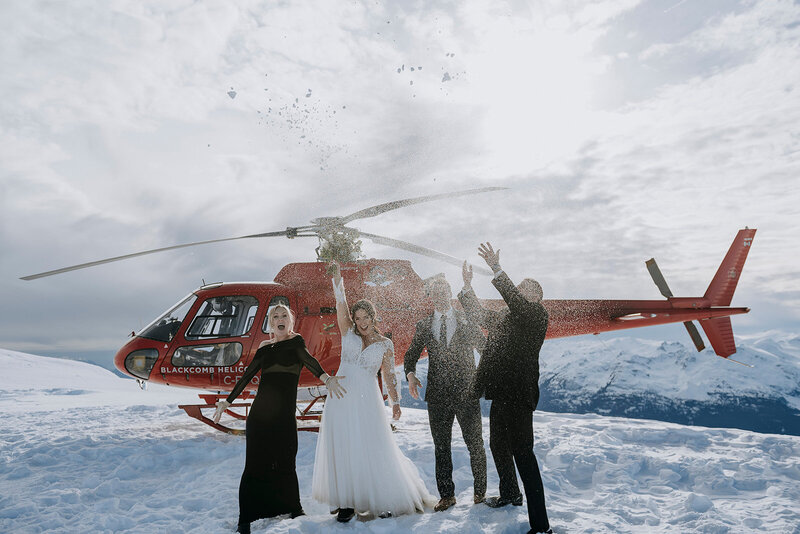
275	308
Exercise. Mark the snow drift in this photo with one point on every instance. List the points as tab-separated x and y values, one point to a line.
83	450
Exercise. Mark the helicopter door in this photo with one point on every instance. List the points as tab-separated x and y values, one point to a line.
219	334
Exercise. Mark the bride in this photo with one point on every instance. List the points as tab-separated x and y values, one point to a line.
358	466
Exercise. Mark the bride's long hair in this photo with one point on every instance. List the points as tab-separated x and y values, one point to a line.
369	309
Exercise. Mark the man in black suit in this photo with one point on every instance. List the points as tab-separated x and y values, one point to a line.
450	339
508	375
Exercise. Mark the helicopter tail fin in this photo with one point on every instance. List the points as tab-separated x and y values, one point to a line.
720	290
720	334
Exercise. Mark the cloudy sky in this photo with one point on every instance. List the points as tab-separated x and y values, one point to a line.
624	130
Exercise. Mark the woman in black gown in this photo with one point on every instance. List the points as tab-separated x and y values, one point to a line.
269	482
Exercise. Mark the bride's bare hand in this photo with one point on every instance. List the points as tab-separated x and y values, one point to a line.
396	412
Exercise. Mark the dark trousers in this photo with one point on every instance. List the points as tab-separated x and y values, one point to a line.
511	441
441	417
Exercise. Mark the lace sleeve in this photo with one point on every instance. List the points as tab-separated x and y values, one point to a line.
342	310
338	290
389	377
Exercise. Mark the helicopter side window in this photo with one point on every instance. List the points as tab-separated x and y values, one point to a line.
166	326
217	354
274	301
251	317
223	317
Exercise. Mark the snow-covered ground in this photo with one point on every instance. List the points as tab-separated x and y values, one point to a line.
82	450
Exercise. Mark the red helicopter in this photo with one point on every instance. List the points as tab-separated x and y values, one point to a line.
207	339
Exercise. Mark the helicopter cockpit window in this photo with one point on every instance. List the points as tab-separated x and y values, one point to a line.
274	301
223	317
219	354
166	326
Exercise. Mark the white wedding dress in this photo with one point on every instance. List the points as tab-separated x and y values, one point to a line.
358	463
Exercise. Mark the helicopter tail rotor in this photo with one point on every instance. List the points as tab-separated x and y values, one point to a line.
661	283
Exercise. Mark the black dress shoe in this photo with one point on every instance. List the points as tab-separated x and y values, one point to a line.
298	513
499	502
243	528
345	515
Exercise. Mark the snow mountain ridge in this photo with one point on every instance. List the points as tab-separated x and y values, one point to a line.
671	381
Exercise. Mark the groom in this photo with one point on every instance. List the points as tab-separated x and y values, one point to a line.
450	339
508	375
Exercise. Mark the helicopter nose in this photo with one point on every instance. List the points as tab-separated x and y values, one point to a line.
136	359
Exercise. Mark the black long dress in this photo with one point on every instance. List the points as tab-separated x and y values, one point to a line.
269	482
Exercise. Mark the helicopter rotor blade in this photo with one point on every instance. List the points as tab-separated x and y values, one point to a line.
289	232
320	226
695	335
658	278
422	251
388	206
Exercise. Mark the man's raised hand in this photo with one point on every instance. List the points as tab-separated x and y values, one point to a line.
466	274
489	255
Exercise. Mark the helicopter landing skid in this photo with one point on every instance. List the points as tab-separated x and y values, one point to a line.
195	411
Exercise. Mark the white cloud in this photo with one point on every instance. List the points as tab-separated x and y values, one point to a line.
625	129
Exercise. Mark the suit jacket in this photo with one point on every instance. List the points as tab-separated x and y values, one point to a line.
451	369
509	366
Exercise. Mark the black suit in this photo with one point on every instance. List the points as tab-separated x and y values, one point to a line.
508	375
451	370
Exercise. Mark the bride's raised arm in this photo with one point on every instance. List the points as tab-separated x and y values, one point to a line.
390	380
342	310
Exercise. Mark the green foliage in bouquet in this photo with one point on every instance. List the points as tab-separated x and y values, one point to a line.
342	246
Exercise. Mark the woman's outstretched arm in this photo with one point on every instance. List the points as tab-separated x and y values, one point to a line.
312	364
342	310
249	373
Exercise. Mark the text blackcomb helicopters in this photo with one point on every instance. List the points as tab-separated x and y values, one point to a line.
208	338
